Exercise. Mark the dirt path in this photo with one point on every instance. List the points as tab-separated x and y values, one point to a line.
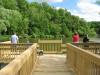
51	64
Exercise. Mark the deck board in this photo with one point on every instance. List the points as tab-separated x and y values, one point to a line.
51	64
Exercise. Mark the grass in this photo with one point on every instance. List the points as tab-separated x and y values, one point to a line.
7	38
4	38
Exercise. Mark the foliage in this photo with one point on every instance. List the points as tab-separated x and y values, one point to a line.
96	26
4	38
40	20
9	20
98	2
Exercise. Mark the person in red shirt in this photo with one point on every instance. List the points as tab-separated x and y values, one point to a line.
76	38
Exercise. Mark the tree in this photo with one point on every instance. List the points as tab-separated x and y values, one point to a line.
39	19
9	4
9	19
22	5
98	2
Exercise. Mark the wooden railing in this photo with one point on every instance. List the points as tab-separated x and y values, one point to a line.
50	46
6	42
83	61
9	51
92	47
23	64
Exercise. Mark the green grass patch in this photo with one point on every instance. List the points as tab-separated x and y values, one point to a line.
4	38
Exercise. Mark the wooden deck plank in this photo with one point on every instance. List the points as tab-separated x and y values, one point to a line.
52	64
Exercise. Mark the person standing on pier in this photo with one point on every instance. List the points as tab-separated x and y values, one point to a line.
76	38
14	39
85	39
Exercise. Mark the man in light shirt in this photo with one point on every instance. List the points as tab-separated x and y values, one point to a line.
14	39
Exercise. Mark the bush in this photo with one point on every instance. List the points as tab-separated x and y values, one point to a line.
4	38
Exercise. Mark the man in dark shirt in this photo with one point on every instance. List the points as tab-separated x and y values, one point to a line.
85	39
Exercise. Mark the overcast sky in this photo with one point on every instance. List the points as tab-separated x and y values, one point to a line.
86	9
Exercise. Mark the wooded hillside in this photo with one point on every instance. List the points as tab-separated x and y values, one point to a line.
39	19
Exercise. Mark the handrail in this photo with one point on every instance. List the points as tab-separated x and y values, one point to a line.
6	42
9	51
49	41
50	46
23	64
92	47
82	61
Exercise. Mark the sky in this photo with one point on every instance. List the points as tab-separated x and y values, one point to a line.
86	9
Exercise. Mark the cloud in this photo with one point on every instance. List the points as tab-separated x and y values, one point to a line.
45	0
88	7
87	17
55	0
59	8
87	10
